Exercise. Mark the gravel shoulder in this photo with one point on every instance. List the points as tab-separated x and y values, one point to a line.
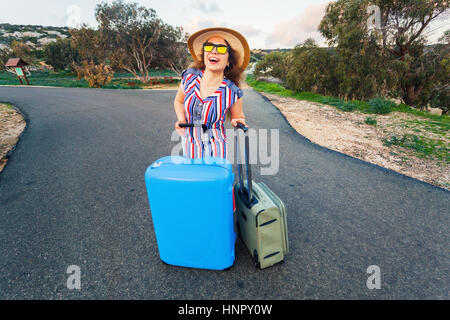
11	126
347	132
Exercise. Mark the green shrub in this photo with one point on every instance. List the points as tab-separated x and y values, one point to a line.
422	146
371	121
394	141
273	64
380	106
311	69
339	103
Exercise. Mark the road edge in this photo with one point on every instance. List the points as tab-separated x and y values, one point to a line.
386	170
19	138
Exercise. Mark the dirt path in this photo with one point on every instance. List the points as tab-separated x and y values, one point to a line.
11	126
348	133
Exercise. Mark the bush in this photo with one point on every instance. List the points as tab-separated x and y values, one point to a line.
339	103
371	121
380	106
96	75
422	146
273	64
441	99
312	69
60	54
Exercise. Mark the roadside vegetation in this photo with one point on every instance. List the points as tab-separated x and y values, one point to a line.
431	133
70	80
376	71
130	39
392	60
373	106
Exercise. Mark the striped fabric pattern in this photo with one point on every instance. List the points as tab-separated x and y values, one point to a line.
210	111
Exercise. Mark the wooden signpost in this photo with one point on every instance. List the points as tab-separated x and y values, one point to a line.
18	64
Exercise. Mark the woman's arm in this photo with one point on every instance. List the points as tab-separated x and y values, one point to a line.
237	114
178	104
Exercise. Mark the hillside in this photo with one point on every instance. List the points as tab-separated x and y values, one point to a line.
36	37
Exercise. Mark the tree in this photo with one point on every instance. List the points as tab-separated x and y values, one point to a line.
89	44
60	54
20	50
97	75
90	47
360	65
5	54
404	25
130	34
17	49
273	64
171	50
394	51
437	61
312	69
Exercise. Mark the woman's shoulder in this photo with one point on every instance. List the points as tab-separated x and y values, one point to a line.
234	88
190	71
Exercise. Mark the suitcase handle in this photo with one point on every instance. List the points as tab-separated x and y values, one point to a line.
246	193
241	126
192	125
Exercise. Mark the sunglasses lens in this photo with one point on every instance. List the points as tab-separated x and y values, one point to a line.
222	50
208	48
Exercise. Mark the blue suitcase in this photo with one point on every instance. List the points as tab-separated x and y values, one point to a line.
191	203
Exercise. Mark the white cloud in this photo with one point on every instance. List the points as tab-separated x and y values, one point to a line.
198	23
294	31
247	30
206	6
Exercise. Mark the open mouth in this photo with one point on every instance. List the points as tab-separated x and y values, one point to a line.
213	60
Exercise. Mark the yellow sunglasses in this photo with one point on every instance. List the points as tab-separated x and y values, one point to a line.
221	48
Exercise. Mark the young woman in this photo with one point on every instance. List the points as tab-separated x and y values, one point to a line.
209	90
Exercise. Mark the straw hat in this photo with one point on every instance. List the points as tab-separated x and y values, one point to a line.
236	40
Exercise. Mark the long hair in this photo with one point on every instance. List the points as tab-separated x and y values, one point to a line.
233	72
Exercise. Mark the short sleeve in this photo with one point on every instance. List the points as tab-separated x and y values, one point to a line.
186	76
238	91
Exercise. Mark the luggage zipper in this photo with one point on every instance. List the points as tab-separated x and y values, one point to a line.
271	255
256	217
268	222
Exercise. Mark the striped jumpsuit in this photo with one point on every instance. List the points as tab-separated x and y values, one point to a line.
210	111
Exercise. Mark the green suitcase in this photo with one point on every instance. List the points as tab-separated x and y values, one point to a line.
261	217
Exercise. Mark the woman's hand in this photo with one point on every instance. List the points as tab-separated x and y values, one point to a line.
180	131
235	121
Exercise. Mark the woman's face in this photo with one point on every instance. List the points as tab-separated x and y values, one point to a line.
214	60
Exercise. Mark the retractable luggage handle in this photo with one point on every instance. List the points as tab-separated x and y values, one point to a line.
195	124
250	199
206	134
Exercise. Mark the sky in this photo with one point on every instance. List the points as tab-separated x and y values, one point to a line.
265	24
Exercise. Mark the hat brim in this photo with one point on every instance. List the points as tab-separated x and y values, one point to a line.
236	40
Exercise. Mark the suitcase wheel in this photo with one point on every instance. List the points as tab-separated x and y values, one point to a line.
256	260
229	268
164	262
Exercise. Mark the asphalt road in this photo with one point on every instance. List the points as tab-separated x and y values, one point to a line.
73	193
